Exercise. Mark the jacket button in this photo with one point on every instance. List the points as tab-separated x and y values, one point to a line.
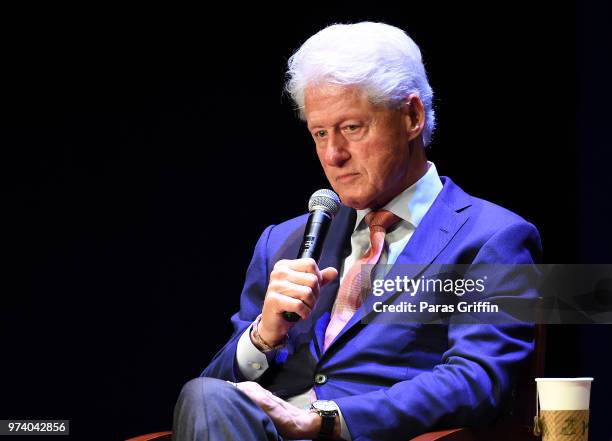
320	379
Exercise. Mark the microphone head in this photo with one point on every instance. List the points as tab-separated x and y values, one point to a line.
325	200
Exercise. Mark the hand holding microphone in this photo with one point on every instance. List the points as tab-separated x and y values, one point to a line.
295	284
323	206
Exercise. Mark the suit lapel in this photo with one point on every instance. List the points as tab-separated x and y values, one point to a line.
437	228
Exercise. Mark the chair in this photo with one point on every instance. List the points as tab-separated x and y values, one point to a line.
518	426
157	436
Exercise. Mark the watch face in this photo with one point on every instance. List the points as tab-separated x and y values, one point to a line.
324	405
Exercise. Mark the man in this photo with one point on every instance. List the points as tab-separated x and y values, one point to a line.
363	92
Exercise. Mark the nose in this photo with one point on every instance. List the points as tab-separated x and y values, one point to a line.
336	152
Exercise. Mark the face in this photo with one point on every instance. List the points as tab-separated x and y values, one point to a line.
364	149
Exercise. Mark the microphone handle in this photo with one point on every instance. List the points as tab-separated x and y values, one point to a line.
312	244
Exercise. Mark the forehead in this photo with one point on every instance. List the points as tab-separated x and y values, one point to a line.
328	104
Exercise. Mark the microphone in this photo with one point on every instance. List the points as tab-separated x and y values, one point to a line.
323	206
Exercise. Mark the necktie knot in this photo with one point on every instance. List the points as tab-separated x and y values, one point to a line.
381	219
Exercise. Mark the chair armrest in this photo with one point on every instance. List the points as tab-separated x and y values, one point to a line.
443	435
157	436
498	433
502	432
461	434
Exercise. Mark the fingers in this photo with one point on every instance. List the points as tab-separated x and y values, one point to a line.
292	280
286	273
290	421
249	386
259	395
294	286
281	302
303	266
327	275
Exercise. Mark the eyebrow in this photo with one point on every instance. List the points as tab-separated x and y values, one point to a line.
318	125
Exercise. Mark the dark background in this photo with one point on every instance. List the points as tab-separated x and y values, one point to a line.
143	152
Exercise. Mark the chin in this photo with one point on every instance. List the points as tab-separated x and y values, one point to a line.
354	202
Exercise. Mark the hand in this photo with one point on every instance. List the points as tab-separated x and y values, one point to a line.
290	421
294	286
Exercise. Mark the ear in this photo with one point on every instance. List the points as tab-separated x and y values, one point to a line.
414	115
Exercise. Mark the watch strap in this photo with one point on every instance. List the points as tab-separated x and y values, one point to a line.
328	421
328	418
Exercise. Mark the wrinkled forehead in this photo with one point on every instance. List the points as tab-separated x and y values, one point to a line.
324	102
327	89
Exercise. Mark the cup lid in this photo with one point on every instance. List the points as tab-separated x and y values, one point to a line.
577	379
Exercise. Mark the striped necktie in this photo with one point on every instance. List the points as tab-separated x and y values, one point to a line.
349	297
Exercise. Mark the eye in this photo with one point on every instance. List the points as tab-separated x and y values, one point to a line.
320	133
350	128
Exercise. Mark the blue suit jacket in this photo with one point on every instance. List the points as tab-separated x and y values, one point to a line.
396	380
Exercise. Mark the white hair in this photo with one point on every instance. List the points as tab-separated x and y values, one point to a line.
378	58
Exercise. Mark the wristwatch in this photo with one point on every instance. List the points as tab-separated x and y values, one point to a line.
328	411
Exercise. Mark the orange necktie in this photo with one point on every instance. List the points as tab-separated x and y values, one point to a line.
349	296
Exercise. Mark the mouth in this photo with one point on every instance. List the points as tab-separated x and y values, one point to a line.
346	177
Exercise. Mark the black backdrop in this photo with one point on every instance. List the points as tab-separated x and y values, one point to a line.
144	152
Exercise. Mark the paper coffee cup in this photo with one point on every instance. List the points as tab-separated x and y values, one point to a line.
564	408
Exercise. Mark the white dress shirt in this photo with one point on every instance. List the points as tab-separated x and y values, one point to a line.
410	206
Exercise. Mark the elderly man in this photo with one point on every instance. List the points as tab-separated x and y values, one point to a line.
363	92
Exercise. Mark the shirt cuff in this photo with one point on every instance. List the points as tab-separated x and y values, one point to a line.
344	432
251	361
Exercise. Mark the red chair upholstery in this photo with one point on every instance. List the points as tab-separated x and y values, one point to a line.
157	436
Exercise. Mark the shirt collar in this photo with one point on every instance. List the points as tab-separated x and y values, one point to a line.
412	203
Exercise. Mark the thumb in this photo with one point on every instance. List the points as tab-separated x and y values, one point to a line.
328	274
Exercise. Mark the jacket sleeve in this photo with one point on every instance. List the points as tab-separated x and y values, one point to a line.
476	372
223	365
